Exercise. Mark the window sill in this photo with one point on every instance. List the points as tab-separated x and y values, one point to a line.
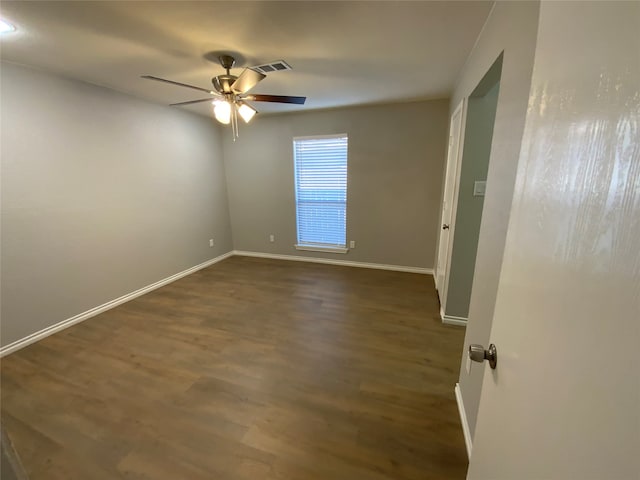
313	248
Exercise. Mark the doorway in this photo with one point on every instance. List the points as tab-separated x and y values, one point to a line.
466	216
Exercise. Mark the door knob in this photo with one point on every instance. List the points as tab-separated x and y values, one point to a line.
445	226
477	353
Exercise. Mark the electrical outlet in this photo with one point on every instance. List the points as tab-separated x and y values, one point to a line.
272	238
352	244
211	243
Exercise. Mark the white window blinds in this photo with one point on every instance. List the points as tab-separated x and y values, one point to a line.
321	190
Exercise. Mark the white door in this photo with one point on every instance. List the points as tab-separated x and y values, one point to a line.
564	400
449	200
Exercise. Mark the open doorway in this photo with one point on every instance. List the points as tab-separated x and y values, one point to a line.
470	167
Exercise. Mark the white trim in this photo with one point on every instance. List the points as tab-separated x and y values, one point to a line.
34	337
378	266
319	137
451	320
463	420
311	248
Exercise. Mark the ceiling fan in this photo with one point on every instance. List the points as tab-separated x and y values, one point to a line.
230	92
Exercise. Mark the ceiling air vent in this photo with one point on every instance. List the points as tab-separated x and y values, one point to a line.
276	66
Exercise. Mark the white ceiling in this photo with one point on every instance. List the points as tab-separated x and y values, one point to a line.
342	53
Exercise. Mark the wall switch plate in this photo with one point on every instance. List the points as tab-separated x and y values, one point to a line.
272	238
352	244
479	188
211	244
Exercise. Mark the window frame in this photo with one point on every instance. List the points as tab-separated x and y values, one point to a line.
310	247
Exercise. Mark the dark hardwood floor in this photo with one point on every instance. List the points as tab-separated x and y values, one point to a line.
250	369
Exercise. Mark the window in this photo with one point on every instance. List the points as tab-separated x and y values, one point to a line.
321	192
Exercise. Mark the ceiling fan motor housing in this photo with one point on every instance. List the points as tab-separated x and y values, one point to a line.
222	83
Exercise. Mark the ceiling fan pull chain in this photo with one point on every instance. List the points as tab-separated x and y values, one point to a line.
235	115
234	121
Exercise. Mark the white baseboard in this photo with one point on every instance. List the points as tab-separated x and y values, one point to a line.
378	266
451	320
463	419
34	337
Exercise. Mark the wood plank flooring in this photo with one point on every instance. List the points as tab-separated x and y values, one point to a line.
249	369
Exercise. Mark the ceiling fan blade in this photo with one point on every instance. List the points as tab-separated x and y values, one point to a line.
158	79
258	97
246	81
191	101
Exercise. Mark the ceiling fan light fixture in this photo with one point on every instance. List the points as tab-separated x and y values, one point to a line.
246	112
222	111
6	27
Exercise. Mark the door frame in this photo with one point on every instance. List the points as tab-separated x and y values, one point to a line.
452	168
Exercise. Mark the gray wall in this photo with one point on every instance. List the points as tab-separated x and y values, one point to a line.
481	113
102	194
396	157
511	28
